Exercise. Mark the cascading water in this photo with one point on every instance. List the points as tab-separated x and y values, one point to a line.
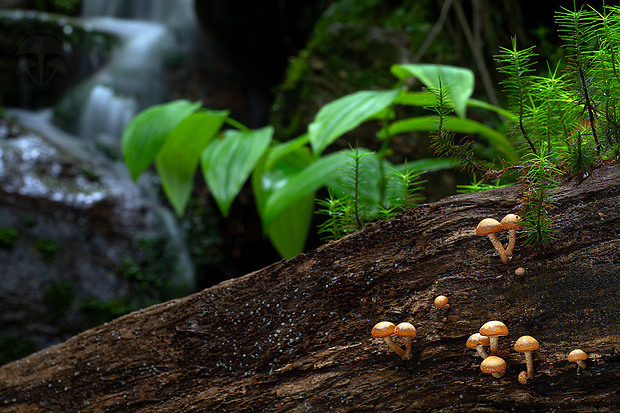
133	79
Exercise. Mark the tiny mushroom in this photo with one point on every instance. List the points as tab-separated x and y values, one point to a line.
520	271
441	302
511	223
384	330
407	332
527	344
489	227
522	377
493	330
477	341
493	365
578	356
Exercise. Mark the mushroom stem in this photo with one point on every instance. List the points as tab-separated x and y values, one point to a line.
498	247
529	361
581	364
498	375
481	352
494	347
512	242
391	344
408	351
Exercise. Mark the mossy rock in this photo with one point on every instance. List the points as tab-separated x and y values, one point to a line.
352	48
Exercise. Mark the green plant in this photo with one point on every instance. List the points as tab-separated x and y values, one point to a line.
58	298
180	135
567	123
47	248
8	237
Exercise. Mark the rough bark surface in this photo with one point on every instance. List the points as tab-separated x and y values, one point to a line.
295	336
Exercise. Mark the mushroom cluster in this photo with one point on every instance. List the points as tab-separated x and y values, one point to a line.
490	227
489	336
406	331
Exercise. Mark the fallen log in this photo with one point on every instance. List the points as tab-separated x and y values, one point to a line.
295	336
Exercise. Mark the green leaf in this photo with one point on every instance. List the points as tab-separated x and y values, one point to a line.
345	114
289	231
148	130
454	124
227	163
460	81
178	158
302	184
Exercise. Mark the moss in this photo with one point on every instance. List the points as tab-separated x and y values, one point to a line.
8	237
58	298
14	348
47	248
97	312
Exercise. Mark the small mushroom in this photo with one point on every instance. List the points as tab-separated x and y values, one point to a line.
407	332
520	271
527	344
384	330
478	341
493	365
522	377
489	227
493	330
578	356
442	302
511	223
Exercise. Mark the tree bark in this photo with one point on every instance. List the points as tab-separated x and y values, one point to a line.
295	336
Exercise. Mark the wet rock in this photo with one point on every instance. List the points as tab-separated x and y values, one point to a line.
80	243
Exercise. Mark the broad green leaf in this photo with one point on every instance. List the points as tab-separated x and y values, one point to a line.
227	163
454	124
460	81
289	231
475	103
427	165
416	99
345	114
148	130
178	158
306	182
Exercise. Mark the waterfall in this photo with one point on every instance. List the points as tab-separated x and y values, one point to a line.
147	30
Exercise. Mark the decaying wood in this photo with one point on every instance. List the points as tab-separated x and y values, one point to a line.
295	336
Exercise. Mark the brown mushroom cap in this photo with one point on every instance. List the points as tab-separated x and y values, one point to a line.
526	343
383	329
493	364
511	221
577	355
488	226
494	328
441	301
405	330
477	339
522	377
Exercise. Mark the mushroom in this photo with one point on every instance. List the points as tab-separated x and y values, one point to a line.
527	344
442	302
407	332
493	365
522	377
511	223
489	227
520	271
477	341
384	330
493	330
578	356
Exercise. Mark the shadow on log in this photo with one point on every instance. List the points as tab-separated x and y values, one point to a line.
295	336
